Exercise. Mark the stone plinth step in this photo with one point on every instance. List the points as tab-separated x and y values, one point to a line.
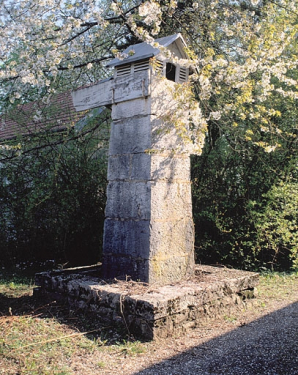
150	311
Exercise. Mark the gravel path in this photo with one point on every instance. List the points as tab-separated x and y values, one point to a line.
260	340
268	345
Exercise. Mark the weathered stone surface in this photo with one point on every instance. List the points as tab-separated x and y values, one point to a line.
127	238
93	96
136	108
164	137
171	201
145	167
126	266
119	167
169	267
141	167
152	311
149	180
129	167
128	200
131	135
170	167
111	91
172	238
131	87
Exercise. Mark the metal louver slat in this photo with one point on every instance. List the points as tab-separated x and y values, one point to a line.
140	66
158	67
123	70
183	75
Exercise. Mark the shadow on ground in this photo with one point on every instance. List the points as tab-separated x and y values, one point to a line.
46	307
265	346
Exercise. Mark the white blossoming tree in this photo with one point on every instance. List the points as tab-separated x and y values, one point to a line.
244	51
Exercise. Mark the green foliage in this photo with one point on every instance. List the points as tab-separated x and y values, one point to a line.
244	215
276	221
52	200
237	184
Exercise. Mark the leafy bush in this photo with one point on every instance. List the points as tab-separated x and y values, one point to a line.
52	202
244	215
276	221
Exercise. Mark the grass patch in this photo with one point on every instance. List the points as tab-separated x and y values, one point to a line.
277	286
34	345
44	337
131	347
16	286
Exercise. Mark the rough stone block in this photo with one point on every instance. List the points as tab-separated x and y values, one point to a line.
170	167
127	238
170	239
131	87
137	107
170	200
93	96
130	135
162	94
141	167
119	167
165	270
125	267
128	200
165	137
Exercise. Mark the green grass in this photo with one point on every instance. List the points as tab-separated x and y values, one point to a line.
39	345
277	285
15	286
130	348
41	337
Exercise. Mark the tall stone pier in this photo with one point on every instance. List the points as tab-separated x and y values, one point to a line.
148	230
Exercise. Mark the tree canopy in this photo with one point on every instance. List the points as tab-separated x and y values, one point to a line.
245	92
245	52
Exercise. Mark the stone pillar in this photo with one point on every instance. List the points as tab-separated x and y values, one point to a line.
148	232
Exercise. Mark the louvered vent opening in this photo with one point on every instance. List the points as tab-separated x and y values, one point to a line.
158	66
183	75
141	66
123	70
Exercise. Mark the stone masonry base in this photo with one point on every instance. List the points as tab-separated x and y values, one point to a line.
150	311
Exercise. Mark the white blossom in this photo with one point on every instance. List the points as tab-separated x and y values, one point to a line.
215	115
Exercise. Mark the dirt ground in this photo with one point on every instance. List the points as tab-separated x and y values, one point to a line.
262	339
